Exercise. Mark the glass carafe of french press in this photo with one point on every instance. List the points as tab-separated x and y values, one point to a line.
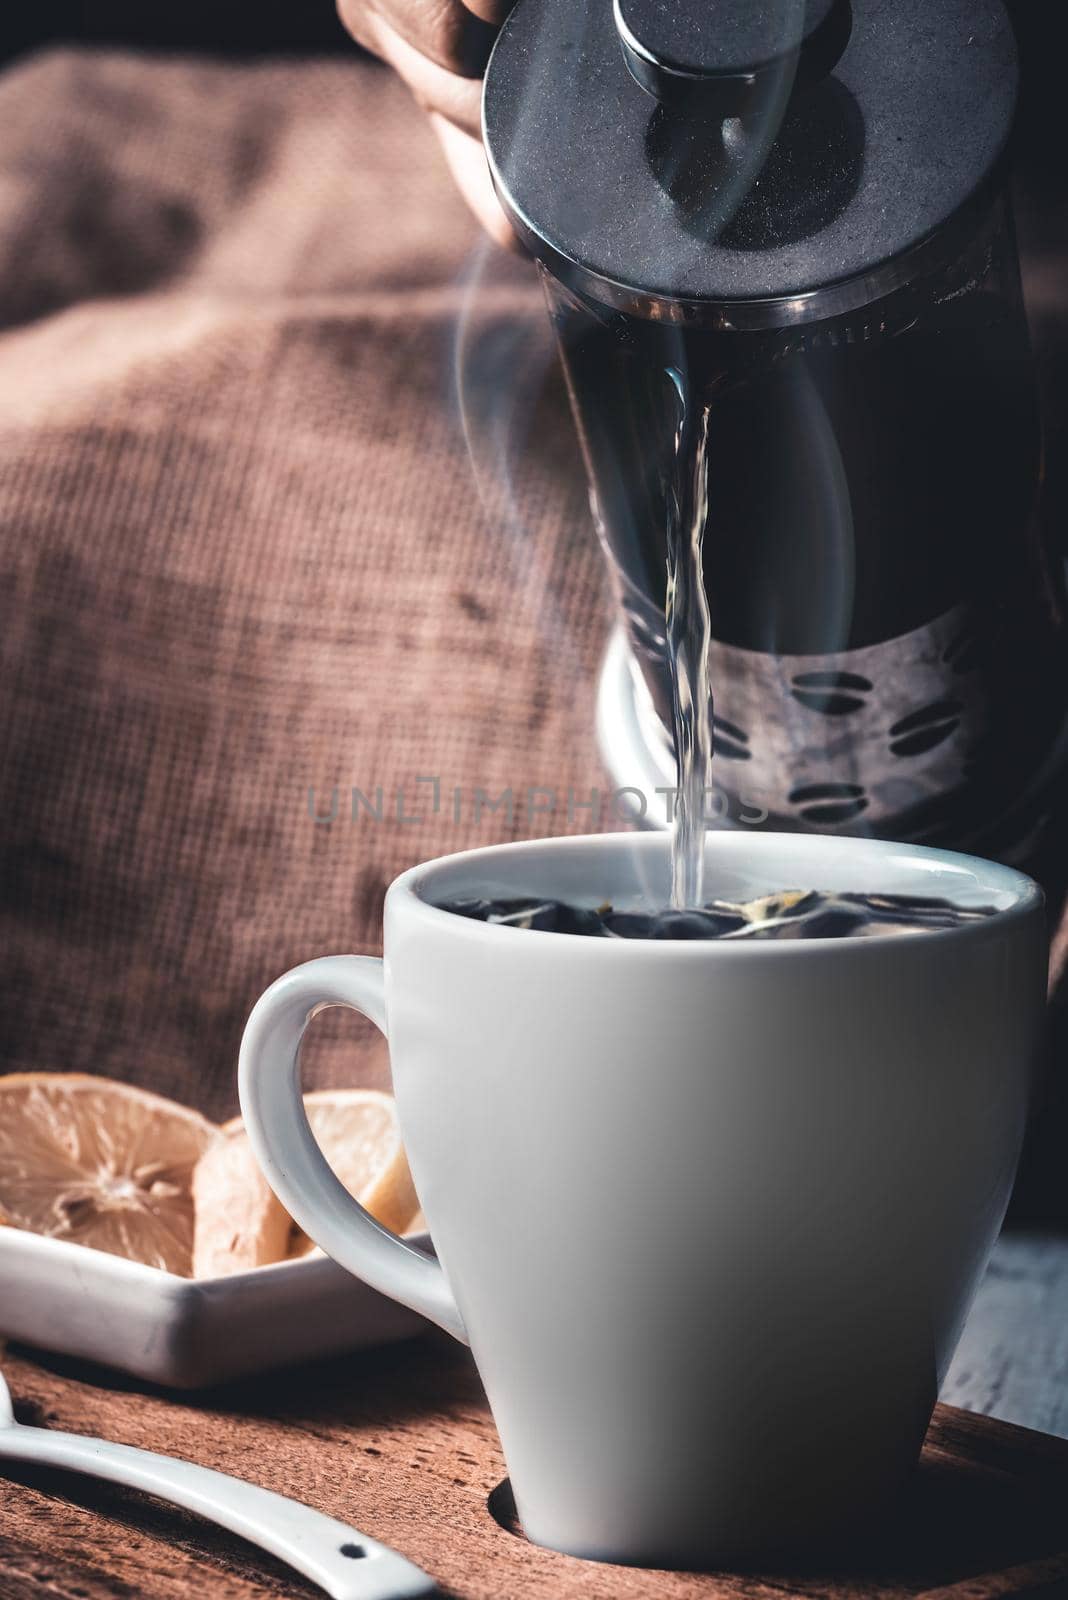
776	235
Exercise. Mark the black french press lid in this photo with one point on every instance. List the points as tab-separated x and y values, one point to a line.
745	162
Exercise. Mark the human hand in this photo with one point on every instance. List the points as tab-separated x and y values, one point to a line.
440	49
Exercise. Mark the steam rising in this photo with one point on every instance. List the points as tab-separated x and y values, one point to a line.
520	440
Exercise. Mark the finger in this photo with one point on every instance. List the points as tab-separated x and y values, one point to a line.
451	32
467	163
493	11
458	99
444	30
355	17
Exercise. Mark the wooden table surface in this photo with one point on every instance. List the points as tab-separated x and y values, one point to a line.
1012	1361
399	1442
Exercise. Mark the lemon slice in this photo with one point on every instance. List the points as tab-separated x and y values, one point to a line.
239	1221
100	1163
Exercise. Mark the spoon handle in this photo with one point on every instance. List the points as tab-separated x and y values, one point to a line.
347	1564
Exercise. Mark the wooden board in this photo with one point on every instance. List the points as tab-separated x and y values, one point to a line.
1012	1360
400	1443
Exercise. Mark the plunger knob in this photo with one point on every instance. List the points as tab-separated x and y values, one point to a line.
716	55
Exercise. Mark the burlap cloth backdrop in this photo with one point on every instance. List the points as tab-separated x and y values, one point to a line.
253	545
244	553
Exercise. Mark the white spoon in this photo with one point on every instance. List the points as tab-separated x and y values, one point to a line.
347	1564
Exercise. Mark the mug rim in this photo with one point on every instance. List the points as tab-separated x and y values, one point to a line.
1028	898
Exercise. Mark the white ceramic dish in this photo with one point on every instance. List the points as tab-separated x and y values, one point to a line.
183	1333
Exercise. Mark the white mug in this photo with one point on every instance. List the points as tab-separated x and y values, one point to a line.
709	1214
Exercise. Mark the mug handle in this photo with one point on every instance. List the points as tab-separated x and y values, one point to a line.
283	1144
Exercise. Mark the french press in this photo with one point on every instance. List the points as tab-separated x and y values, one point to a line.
789	220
